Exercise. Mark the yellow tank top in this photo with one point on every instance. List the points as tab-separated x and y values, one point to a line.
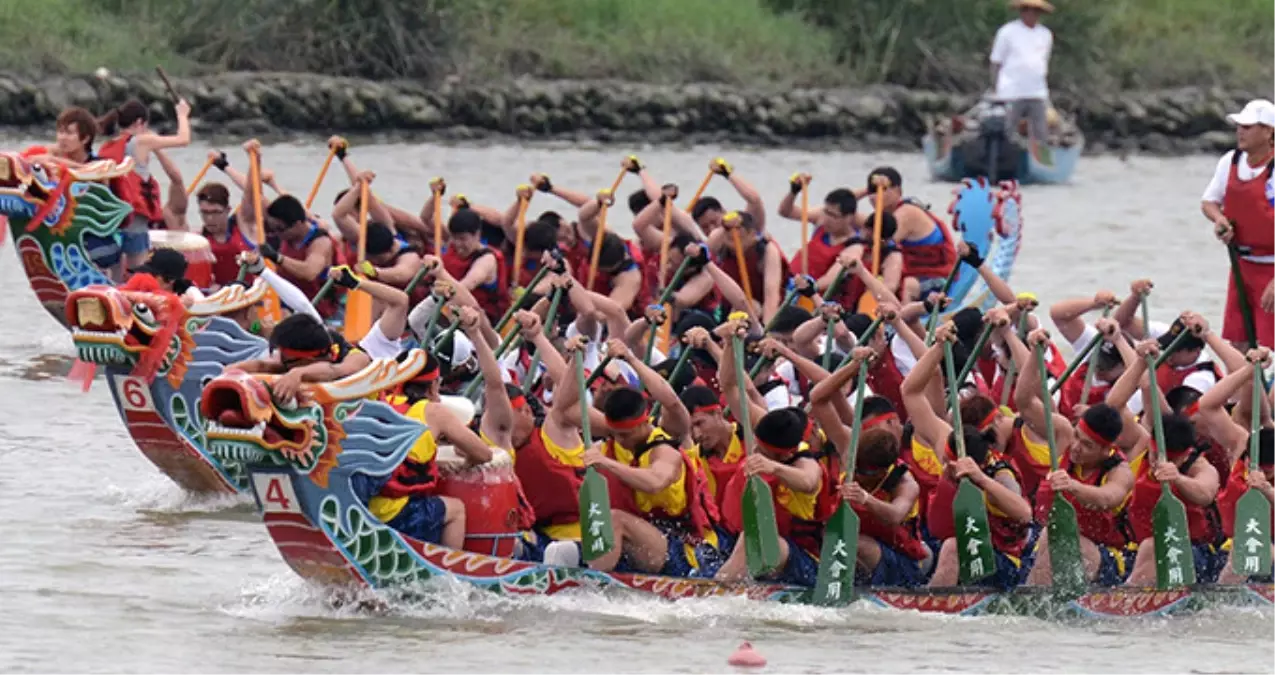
734	453
573	457
1038	453
799	504
925	459
422	452
672	499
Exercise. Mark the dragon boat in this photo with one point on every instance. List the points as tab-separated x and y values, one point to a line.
157	355
301	459
976	143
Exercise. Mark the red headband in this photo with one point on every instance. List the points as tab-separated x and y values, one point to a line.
879	419
987	421
297	354
1192	409
518	402
631	423
706	408
1084	428
427	374
776	450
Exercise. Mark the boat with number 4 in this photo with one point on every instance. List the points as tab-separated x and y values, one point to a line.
302	460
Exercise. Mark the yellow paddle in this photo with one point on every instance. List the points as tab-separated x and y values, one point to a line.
667	329
314	189
868	301
521	225
438	217
270	306
741	262
194	184
700	192
358	304
604	200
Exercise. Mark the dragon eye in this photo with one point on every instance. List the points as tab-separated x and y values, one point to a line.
144	313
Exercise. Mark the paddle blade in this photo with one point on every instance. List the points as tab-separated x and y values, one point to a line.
835	584
1174	560
358	316
597	533
973	534
761	532
1251	555
1067	567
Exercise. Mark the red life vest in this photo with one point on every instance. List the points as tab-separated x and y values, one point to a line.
886	381
410	479
493	296
1247	203
823	253
1204	522
1027	466
1069	396
853	288
603	283
904	537
225	266
1008	536
720	469
141	195
551	487
1055	366
327	307
807	533
1169	377
755	264
577	258
928	260
1100	527
925	465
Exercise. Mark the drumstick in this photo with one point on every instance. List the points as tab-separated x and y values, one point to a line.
172	93
198	177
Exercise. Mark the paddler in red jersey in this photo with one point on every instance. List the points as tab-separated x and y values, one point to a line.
476	266
719	442
303	251
835	231
929	249
883	492
708	211
407	499
224	232
1240	202
765	269
1068	316
139	189
658	493
1092	475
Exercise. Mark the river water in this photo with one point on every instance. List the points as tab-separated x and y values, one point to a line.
105	566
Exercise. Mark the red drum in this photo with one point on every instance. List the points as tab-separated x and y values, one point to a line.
490	495
199	255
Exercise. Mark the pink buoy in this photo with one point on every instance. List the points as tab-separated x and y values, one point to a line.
746	657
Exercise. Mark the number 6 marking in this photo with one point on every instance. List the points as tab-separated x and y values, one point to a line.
275	493
134	394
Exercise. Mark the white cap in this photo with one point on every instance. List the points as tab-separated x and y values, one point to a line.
1258	111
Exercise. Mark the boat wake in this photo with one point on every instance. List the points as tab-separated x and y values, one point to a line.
159	496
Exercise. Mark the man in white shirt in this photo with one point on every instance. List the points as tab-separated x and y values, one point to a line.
1240	202
1020	67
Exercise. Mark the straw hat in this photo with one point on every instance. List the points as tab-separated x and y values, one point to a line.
1042	5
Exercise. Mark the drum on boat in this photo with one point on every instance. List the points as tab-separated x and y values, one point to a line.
195	248
490	494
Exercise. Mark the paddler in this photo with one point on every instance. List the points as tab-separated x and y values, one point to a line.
226	234
835	230
765	270
929	250
304	350
708	211
139	189
407	499
476	266
1192	480
1240	202
719	441
302	250
1093	475
883	491
409	226
657	490
1068	317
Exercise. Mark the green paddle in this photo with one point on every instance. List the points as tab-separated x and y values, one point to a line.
1175	560
1241	291
831	293
672	376
597	533
862	342
415	280
1081	357
550	318
1090	368
1173	347
434	313
788	300
969	509
323	290
983	337
521	299
840	552
1251	552
1066	564
761	533
829	334
243	272
932	323
1011	373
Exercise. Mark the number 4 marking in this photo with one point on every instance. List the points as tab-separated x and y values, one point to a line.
275	493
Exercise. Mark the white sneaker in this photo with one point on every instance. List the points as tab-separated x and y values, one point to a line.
562	554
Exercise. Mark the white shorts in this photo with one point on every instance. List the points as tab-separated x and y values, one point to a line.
378	346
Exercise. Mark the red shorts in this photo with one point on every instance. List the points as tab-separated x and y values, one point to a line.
1256	276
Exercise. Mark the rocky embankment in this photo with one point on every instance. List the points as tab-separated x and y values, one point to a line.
241	104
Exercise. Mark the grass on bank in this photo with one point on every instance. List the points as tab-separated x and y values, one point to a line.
1106	46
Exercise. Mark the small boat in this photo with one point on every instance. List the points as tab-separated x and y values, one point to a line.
989	218
302	458
157	355
977	144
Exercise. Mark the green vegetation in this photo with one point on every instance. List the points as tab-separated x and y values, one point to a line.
1109	45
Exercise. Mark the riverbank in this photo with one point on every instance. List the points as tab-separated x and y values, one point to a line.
1168	122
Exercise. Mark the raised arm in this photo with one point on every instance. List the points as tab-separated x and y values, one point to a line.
1069	315
1027	392
675	419
931	428
498	413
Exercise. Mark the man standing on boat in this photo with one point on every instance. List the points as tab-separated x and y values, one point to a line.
1240	201
1020	68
